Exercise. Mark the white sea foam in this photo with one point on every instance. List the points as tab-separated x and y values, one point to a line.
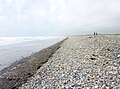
11	40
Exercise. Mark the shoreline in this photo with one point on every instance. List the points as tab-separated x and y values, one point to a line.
14	52
17	73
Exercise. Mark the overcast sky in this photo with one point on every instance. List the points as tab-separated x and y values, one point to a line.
58	17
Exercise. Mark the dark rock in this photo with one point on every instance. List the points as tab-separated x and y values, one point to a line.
93	58
90	37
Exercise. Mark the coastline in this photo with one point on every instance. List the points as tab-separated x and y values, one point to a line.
16	51
17	73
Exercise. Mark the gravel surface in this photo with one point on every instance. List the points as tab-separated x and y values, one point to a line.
82	62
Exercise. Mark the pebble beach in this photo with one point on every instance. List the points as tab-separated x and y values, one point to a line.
82	62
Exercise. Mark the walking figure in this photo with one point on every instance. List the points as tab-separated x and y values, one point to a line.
95	33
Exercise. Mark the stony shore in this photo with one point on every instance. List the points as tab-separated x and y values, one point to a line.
82	62
17	74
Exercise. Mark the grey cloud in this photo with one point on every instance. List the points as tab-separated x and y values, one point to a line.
58	17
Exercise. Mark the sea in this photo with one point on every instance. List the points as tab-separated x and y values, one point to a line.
13	49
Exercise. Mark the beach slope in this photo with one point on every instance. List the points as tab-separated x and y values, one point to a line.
82	62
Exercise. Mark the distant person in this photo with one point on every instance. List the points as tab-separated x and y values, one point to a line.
96	33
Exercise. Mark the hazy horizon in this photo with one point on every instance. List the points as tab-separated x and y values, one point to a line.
58	17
